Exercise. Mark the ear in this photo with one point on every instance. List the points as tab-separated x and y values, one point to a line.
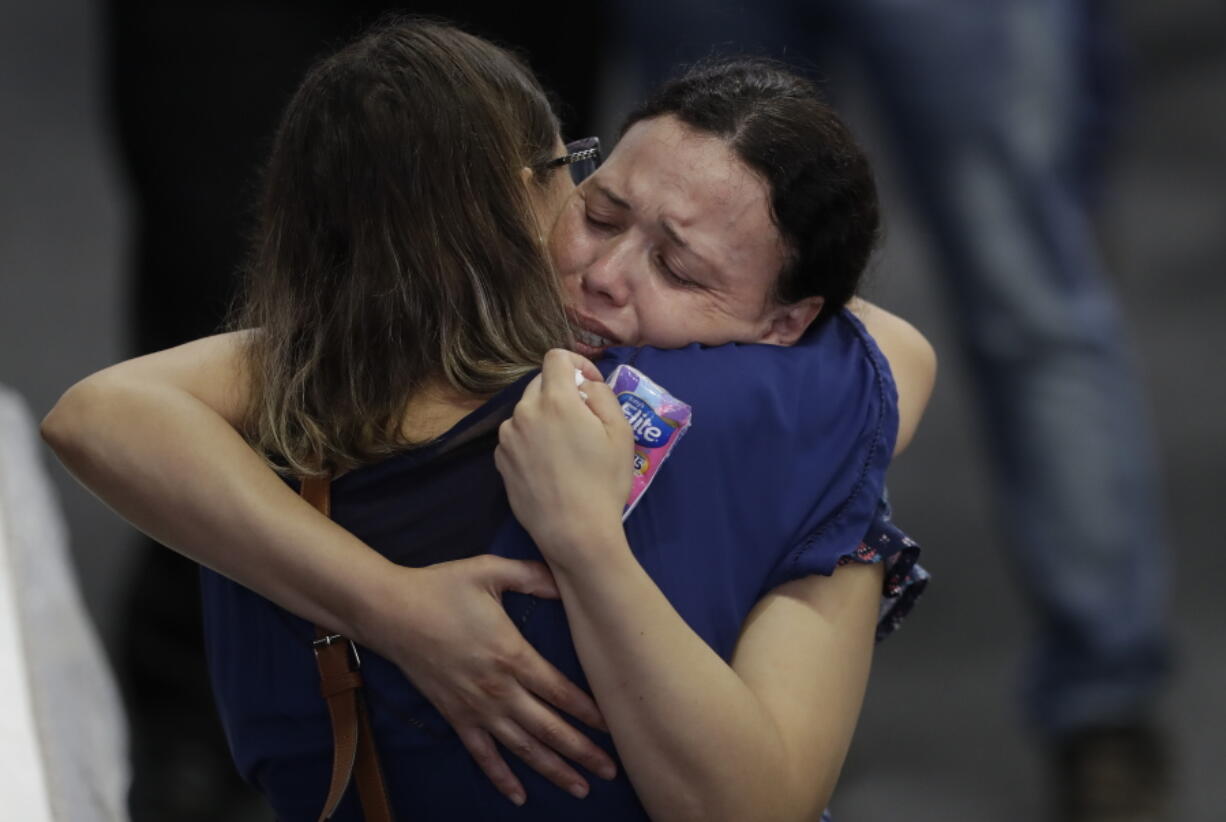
788	323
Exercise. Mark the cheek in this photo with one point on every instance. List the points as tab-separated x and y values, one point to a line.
676	319
563	189
664	318
565	243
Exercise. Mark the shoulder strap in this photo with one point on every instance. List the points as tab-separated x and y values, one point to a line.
354	751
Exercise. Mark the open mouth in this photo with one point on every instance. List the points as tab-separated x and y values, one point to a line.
594	340
590	342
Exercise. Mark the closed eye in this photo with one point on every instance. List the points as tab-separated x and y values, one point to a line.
672	276
598	225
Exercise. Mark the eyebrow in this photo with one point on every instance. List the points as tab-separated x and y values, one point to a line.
668	227
623	204
613	198
674	236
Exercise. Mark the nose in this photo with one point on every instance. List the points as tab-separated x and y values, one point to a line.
610	274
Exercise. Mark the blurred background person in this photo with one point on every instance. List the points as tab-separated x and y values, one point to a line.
996	113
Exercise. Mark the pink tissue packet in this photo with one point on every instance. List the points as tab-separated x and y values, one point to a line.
658	420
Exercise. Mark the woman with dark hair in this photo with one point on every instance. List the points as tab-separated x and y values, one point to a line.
401	297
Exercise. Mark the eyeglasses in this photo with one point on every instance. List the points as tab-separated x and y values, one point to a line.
583	157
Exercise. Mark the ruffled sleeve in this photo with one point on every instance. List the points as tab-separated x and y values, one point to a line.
905	579
847	454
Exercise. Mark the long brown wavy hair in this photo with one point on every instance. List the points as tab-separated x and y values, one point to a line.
396	244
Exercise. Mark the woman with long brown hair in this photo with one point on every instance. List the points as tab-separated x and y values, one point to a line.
401	300
397	280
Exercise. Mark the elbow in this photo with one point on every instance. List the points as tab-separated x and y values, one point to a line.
61	425
920	363
67	428
915	374
926	366
928	356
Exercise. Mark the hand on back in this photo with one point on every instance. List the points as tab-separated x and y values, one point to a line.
445	627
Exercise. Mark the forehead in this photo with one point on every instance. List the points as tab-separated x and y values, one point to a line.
694	181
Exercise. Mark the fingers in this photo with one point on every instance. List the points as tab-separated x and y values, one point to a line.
542	760
558	735
485	753
509	443
604	405
569	359
533	389
522	575
557	380
558	374
548	683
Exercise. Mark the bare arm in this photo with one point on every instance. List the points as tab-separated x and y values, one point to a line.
155	438
763	738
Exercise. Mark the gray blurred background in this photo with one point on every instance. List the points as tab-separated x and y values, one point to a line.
940	737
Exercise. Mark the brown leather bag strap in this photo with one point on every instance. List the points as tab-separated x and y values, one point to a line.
338	683
353	744
369	773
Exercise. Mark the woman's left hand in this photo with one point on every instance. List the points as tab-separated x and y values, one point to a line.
566	462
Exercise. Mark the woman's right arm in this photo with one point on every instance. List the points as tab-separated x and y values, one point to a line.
156	438
760	738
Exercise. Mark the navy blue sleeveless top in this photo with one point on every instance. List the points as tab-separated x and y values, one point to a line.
779	477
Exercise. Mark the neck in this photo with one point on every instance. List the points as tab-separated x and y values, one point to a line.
435	409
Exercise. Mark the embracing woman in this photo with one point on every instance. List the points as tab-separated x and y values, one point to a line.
421	251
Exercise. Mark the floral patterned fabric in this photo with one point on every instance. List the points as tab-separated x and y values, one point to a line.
905	578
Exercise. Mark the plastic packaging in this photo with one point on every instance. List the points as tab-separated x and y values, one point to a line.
658	420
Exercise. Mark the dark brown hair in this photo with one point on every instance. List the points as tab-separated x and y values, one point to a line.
823	198
396	245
